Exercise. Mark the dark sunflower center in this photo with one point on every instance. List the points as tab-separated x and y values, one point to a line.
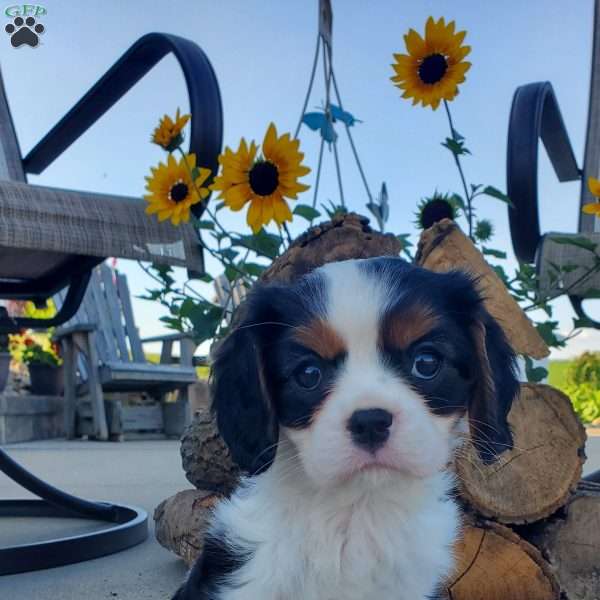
433	68
264	178
179	192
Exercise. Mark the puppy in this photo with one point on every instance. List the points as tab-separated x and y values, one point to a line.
343	396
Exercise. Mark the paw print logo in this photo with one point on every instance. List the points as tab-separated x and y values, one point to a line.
24	31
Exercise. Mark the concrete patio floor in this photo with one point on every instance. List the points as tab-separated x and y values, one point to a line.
138	473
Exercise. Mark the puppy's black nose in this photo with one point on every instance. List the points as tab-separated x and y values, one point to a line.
370	428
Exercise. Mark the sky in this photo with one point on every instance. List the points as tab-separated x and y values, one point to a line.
262	54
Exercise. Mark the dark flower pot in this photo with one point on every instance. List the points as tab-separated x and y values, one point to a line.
4	369
46	380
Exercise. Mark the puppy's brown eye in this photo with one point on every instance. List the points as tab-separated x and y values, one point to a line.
308	376
426	365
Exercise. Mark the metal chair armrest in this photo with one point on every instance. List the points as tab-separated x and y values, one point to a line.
203	91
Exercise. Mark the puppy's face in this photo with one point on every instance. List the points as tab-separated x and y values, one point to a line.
364	365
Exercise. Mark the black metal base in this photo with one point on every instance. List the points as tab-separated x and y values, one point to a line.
129	525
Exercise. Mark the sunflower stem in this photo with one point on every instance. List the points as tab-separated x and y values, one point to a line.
468	197
287	232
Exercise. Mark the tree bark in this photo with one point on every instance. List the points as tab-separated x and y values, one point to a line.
494	563
570	541
538	475
181	522
205	457
344	237
444	247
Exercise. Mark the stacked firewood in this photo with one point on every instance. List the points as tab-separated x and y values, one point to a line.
531	526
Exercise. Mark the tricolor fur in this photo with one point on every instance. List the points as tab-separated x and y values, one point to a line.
343	397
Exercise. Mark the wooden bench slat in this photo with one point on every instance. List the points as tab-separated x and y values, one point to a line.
114	311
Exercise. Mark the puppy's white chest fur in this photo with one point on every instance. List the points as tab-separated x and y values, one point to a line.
376	537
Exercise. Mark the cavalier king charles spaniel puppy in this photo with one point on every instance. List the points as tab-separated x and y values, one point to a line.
343	396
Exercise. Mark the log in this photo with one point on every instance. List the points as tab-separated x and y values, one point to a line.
205	457
571	543
344	237
444	247
494	563
538	475
181	522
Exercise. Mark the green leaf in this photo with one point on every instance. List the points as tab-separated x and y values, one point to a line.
457	136
219	206
403	239
207	278
205	224
547	332
501	273
228	253
263	243
456	147
580	242
306	212
495	253
534	374
458	200
253	269
231	273
592	294
490	190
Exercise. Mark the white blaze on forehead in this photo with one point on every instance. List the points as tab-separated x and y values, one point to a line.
355	304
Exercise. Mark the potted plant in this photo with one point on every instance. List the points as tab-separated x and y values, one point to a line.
4	360
45	368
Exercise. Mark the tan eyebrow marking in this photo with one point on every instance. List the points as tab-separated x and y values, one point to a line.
401	329
320	337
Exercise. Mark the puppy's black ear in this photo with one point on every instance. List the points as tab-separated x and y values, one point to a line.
245	414
495	387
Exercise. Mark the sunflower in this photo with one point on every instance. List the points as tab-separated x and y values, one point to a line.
265	181
172	191
168	133
434	66
593	208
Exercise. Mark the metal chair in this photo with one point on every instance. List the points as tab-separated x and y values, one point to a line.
563	261
50	239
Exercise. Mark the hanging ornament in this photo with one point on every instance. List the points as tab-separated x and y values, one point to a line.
330	114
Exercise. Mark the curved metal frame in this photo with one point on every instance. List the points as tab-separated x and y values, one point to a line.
534	114
206	137
130	525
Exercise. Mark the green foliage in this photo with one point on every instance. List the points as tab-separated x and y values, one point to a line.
36	354
306	212
534	374
581	382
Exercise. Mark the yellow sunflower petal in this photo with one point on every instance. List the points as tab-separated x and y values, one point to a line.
270	141
281	211
592	208
254	216
414	43
594	186
236	196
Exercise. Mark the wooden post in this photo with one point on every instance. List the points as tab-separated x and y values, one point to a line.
70	372
591	160
96	396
